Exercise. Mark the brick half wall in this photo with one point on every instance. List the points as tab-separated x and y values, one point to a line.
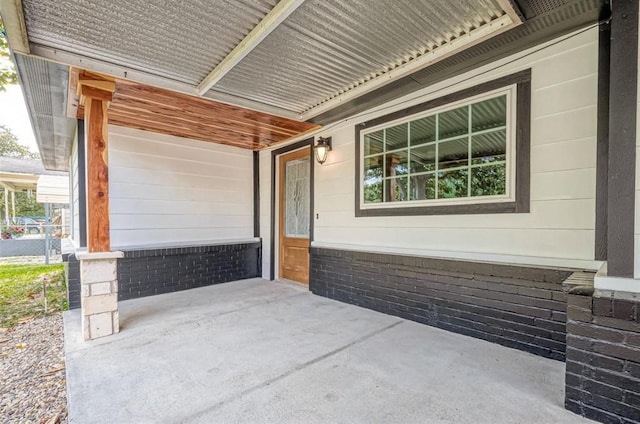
155	271
519	307
603	357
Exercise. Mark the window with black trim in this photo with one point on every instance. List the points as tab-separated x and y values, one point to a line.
457	154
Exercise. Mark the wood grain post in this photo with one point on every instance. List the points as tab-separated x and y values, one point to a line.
96	94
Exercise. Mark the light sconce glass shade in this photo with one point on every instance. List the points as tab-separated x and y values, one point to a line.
322	149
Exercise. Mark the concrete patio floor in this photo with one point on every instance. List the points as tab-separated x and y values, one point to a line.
255	351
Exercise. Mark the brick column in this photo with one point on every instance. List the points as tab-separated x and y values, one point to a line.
99	293
603	356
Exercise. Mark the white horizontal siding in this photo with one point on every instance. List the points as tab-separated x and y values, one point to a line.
74	201
559	230
168	190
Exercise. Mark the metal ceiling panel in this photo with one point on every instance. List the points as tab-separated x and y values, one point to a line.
327	47
181	40
45	89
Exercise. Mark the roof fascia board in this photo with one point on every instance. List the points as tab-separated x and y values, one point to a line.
270	22
14	25
123	72
498	26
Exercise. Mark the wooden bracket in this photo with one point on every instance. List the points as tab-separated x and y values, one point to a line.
92	85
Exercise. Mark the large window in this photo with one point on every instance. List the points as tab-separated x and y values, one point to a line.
458	153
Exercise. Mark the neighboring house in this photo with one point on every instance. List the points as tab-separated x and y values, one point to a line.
23	175
482	162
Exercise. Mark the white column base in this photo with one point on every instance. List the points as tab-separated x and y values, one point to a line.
602	282
99	293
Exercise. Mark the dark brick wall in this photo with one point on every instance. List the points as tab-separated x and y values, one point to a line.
72	271
519	307
149	272
603	357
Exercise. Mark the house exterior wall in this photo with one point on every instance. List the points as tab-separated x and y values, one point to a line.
74	196
559	230
168	190
181	210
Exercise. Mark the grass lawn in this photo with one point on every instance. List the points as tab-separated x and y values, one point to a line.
21	295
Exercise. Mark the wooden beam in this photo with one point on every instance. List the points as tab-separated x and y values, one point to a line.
96	93
73	99
97	175
275	17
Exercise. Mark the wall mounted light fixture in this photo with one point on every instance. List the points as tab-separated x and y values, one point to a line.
322	148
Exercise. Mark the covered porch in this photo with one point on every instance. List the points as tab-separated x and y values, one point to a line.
256	351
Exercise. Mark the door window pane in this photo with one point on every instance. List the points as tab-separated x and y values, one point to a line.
296	217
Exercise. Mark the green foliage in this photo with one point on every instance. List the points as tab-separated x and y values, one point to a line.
7	70
21	294
25	205
10	147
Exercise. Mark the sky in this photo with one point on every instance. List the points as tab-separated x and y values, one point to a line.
13	114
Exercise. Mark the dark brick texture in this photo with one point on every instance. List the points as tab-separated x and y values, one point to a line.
603	358
72	271
519	307
149	272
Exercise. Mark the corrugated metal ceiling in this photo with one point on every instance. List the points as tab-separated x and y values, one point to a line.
324	48
181	40
329	46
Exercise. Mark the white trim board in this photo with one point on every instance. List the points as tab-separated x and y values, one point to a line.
469	256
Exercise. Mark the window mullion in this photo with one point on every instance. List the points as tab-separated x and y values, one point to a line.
470	129
437	161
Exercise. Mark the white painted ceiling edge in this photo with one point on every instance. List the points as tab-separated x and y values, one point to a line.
13	17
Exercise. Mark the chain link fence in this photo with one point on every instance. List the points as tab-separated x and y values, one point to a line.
33	239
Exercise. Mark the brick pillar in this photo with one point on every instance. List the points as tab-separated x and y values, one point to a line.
99	293
603	355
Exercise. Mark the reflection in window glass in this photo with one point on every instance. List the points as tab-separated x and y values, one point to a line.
489	114
488	180
396	164
456	153
423	187
373	189
453	183
423	130
489	147
423	159
453	123
397	189
396	137
374	143
453	153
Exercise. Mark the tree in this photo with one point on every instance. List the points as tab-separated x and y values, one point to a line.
10	147
7	70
